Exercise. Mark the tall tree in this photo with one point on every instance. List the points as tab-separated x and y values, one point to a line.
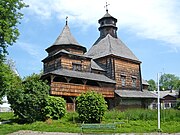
8	79
152	85
28	102
168	81
10	16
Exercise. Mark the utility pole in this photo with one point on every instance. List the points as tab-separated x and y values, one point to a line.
159	126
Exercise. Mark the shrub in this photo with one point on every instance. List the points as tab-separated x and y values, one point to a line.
91	107
29	101
55	107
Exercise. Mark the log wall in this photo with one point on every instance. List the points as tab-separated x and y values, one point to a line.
67	63
128	69
71	50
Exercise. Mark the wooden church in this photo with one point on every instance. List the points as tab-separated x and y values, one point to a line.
109	67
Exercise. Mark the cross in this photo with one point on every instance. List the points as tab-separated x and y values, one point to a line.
106	6
66	20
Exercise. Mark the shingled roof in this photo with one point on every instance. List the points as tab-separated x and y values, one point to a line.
82	75
66	38
110	46
135	94
95	66
107	15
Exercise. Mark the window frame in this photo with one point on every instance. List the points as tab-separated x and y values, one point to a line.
76	66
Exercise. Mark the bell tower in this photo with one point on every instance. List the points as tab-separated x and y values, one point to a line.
107	25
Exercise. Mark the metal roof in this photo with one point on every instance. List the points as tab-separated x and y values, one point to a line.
110	46
82	75
135	94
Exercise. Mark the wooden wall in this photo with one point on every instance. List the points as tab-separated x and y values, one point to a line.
129	70
116	67
128	103
71	50
107	63
75	51
69	89
67	62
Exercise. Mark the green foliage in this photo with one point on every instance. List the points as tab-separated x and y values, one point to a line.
177	85
55	107
169	81
29	101
152	85
8	79
9	19
141	114
178	104
67	124
91	107
4	116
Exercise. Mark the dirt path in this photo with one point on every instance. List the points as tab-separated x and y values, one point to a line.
28	132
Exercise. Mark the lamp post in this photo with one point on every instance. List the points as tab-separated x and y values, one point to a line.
159	126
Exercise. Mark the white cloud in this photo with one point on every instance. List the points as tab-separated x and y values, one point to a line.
31	49
152	19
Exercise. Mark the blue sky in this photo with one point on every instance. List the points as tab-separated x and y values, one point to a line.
150	28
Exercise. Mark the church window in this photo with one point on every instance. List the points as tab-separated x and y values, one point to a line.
55	64
123	80
76	66
134	82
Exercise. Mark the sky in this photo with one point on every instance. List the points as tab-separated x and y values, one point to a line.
150	28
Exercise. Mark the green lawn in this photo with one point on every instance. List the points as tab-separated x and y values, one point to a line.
69	123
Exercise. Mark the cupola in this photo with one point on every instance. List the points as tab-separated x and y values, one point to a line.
107	25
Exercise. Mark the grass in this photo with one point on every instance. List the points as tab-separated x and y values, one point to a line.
136	121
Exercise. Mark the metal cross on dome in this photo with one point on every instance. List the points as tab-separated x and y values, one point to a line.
106	6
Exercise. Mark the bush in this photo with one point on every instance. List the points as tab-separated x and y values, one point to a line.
55	107
29	101
91	107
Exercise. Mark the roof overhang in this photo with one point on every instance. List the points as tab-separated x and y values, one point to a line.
123	58
49	49
80	75
60	53
135	94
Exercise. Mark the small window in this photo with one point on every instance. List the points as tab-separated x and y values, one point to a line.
123	81
134	82
76	67
55	64
167	105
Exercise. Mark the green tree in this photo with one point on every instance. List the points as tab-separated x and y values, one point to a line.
10	16
152	85
91	107
55	107
168	81
177	85
8	79
29	101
